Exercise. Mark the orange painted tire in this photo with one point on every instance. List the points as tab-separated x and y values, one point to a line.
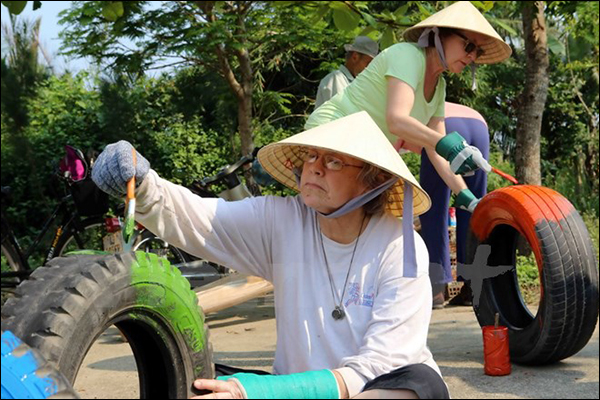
568	309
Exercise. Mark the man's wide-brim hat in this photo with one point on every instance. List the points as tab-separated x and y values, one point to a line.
357	136
463	15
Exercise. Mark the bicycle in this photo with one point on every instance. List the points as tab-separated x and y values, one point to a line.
80	224
77	219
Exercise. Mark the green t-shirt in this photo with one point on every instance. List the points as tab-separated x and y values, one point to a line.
368	91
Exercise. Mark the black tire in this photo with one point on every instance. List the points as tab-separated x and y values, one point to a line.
568	309
63	308
26	375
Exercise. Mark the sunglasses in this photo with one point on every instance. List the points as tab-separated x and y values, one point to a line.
470	47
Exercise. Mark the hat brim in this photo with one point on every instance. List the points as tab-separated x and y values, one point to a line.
349	47
494	50
280	159
464	16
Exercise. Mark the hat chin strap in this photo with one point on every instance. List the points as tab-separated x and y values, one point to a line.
424	42
408	231
355	203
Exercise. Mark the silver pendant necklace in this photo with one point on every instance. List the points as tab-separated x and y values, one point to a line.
338	313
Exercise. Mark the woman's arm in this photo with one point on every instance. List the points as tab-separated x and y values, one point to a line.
455	182
400	101
235	234
463	158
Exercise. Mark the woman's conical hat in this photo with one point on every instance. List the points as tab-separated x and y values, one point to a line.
463	15
357	136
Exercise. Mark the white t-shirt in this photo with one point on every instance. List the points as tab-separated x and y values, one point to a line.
387	315
333	83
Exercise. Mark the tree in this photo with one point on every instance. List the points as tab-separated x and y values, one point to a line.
22	71
533	99
240	40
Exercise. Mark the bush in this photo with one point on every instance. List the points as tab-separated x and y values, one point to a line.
529	278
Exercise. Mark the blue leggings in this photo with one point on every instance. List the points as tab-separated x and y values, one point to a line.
434	223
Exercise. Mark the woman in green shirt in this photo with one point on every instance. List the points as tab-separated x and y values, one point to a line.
403	90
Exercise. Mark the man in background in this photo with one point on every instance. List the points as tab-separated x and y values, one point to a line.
358	55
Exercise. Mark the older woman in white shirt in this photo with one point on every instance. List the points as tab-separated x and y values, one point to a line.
352	291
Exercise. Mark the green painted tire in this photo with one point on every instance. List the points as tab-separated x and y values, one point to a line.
65	306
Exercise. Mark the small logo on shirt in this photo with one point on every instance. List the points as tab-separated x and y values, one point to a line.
358	298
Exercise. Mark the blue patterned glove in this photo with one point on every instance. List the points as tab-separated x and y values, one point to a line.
114	168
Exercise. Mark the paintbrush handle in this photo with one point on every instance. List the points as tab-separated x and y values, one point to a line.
505	175
131	183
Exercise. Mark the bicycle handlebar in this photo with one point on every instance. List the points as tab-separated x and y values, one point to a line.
229	170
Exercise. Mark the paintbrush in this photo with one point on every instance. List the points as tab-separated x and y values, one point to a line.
130	213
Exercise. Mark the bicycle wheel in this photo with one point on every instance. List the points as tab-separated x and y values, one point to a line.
11	262
150	243
81	235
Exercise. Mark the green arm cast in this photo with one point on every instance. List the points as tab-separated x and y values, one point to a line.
306	385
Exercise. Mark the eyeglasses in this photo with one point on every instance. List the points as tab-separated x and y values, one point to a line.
331	163
470	47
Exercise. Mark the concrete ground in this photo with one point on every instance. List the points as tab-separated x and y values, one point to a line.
244	336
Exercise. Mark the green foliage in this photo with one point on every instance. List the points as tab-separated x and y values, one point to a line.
15	7
592	224
413	162
529	279
22	71
88	113
497	160
183	152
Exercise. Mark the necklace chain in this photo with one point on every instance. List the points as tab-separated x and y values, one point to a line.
339	313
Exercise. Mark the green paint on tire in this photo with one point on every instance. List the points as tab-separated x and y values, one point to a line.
160	288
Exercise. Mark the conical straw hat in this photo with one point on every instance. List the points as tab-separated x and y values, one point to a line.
464	16
356	135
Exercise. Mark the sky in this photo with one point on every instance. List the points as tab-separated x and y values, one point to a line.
49	31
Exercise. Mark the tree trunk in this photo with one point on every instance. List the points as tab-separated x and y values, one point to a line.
533	98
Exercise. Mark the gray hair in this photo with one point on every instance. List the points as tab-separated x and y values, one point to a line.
372	177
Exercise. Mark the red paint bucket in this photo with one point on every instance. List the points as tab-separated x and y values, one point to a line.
496	355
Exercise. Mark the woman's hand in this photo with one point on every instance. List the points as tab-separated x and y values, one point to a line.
463	159
220	389
115	167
